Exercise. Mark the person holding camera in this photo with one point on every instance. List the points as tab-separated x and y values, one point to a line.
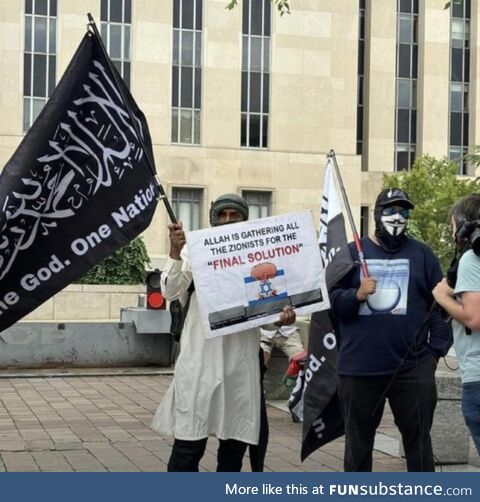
216	388
460	297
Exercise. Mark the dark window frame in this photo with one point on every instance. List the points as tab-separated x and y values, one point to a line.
406	72
194	197
187	72
255	76
459	86
360	77
40	57
113	26
258	199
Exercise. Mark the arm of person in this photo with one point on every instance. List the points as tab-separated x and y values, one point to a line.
466	312
440	336
176	275
287	317
345	302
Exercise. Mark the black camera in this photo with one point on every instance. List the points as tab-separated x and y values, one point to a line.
470	230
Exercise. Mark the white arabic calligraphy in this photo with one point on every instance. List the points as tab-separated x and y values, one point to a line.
92	147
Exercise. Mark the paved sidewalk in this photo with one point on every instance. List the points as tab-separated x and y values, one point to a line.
86	421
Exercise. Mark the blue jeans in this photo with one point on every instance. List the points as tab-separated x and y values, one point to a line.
471	410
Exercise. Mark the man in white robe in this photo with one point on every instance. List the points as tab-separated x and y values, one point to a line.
216	386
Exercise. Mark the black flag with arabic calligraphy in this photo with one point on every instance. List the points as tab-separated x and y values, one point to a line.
78	187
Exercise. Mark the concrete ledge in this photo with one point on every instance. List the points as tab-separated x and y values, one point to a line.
82	344
474	457
450	436
81	302
147	321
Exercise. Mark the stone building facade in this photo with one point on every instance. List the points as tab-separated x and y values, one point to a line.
248	101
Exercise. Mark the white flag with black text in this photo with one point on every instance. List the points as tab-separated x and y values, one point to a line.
332	239
314	400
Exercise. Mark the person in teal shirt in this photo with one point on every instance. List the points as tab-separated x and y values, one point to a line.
462	303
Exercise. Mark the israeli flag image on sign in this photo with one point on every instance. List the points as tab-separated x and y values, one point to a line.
265	283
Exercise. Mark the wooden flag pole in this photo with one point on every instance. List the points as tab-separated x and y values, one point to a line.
161	192
356	237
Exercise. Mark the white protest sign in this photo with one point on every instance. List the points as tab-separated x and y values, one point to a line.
246	273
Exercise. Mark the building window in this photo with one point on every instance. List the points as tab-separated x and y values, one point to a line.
406	84
459	83
187	206
39	58
116	23
360	77
259	203
255	73
187	71
364	220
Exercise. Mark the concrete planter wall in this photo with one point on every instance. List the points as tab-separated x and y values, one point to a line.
79	327
82	344
87	302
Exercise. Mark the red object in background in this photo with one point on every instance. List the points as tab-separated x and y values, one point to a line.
155	299
296	362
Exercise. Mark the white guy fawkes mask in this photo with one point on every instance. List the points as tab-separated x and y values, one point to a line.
394	220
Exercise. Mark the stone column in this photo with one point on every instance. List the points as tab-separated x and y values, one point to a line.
433	79
380	57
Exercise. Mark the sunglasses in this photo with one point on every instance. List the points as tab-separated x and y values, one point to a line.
390	211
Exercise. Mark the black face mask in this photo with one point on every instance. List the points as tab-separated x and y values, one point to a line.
389	243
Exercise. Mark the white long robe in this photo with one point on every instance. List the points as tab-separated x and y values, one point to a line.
216	385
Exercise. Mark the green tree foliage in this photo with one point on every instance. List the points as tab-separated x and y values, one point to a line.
449	4
283	6
125	266
433	187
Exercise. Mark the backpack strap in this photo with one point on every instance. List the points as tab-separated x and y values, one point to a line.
179	314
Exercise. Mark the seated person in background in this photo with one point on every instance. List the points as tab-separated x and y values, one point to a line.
285	338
